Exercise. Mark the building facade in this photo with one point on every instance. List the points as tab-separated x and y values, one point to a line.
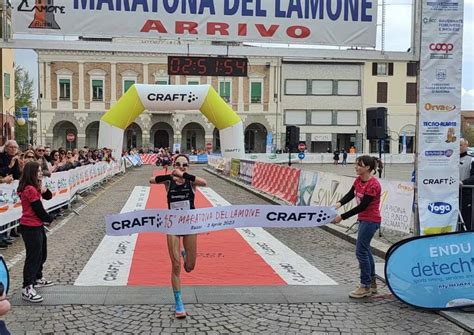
77	88
7	87
327	100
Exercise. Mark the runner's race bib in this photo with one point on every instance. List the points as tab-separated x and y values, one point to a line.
180	205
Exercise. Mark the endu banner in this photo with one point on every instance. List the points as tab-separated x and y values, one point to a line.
433	272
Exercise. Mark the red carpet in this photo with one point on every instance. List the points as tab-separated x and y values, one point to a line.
224	257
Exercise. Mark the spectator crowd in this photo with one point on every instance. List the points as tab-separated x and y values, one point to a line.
13	161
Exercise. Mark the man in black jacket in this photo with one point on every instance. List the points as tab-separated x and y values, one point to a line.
9	160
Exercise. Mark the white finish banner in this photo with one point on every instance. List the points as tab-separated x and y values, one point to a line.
185	222
327	22
439	122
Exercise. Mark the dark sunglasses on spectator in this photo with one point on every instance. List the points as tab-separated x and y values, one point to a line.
40	150
29	156
56	154
178	164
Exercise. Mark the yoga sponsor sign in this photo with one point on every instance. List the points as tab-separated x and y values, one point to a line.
185	222
433	272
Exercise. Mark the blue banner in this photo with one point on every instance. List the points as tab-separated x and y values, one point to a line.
433	272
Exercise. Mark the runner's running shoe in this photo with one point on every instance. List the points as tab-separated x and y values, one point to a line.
185	258
180	313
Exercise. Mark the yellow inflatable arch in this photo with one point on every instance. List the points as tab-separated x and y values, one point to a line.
142	97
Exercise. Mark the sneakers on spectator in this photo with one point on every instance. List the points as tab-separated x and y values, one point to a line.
373	285
43	283
180	313
29	294
361	292
13	233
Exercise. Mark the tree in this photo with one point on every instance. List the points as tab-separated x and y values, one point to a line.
23	98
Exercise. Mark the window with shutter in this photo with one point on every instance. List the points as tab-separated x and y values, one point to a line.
6	85
127	84
411	94
256	92
382	89
97	90
64	89
224	90
411	69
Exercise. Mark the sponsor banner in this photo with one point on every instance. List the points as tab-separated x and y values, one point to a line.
269	145
246	171
439	122
280	181
433	272
149	159
325	158
321	137
195	221
63	186
234	168
329	189
327	22
395	205
306	186
10	205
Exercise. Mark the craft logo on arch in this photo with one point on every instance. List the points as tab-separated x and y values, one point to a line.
190	97
44	13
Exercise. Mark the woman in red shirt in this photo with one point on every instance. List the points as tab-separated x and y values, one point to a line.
31	226
367	191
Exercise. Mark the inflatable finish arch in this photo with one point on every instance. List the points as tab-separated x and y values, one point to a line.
140	97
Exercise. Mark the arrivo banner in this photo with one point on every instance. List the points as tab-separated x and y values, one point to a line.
328	22
439	122
433	272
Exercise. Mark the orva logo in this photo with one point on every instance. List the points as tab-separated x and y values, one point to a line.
439	108
191	97
439	207
439	181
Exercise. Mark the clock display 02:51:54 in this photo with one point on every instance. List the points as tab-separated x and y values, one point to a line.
207	66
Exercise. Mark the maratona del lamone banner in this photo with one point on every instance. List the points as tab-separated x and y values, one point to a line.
185	222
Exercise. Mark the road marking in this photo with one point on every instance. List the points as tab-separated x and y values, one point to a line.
111	262
290	266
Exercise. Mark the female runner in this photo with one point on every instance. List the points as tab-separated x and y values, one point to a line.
180	188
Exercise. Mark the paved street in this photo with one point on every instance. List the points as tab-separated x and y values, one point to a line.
73	240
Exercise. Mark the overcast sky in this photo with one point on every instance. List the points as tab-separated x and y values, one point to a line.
398	21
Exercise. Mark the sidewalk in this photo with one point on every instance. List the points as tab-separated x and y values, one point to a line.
380	245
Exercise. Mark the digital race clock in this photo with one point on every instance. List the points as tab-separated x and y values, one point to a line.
207	66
